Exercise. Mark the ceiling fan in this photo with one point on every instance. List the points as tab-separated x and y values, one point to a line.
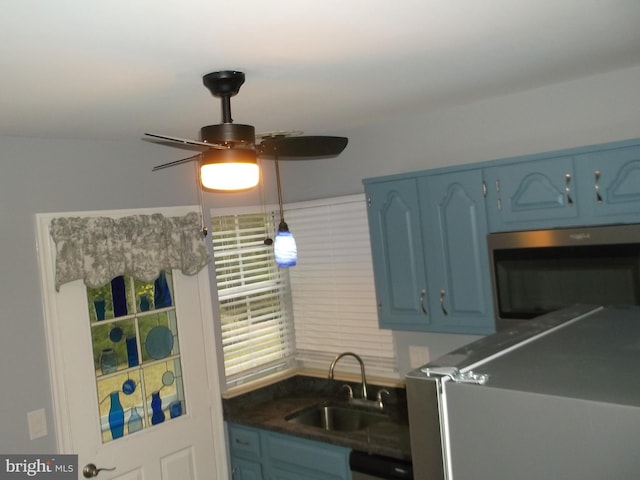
229	152
228	146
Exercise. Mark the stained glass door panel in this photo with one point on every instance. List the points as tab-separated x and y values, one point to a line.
136	355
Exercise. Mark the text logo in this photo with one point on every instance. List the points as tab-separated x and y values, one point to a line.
51	467
580	236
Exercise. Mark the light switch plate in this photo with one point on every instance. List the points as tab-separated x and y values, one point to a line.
37	420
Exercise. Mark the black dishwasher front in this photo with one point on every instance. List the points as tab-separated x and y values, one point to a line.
373	467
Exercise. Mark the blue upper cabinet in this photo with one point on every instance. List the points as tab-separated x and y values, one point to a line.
398	254
430	260
454	226
585	186
428	229
609	185
530	195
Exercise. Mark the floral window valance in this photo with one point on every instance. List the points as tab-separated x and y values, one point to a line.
97	249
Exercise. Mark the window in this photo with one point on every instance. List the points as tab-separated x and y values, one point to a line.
254	297
332	288
274	318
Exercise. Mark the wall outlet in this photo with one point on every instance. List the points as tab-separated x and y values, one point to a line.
37	420
418	355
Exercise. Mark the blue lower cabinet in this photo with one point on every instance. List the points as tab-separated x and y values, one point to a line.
246	453
260	454
246	469
294	458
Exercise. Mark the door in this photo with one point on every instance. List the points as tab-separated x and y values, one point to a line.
396	246
187	443
528	195
455	232
609	183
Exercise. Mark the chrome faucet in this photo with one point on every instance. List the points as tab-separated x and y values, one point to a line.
364	377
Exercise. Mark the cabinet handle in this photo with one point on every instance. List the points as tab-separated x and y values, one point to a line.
567	188
596	174
442	294
244	443
423	293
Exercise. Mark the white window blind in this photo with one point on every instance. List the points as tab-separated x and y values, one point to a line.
333	293
254	297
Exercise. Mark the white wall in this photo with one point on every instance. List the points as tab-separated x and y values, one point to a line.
589	111
41	175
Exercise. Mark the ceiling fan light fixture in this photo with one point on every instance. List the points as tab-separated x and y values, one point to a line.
229	169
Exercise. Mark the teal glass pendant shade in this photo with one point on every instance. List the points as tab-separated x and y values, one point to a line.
284	247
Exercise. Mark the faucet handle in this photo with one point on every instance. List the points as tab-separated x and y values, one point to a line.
381	392
348	389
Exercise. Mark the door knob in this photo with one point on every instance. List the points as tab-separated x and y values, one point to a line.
90	470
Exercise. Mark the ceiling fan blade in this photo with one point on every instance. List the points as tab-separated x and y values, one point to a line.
300	148
176	162
185	141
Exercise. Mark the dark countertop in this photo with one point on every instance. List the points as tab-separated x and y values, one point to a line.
266	408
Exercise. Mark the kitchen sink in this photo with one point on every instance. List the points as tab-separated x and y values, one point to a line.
337	418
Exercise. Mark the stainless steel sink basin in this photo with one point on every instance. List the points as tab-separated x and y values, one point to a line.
337	418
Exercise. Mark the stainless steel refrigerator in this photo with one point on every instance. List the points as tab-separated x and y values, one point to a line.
557	398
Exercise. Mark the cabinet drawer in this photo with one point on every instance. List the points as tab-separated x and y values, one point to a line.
244	441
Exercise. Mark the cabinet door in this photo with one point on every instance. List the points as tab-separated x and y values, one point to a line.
245	469
609	183
293	458
455	229
529	195
397	250
244	441
292	473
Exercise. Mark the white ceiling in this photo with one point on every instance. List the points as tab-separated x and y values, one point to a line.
115	69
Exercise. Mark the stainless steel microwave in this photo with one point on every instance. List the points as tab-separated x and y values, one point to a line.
539	271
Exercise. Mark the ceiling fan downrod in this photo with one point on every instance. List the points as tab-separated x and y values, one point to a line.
224	85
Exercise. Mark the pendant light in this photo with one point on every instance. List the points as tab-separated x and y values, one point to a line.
284	246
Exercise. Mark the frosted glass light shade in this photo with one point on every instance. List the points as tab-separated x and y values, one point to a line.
229	169
229	176
285	249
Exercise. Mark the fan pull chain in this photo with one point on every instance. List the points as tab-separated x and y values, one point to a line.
205	230
275	157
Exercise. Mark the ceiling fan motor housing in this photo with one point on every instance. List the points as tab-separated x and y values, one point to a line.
228	133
